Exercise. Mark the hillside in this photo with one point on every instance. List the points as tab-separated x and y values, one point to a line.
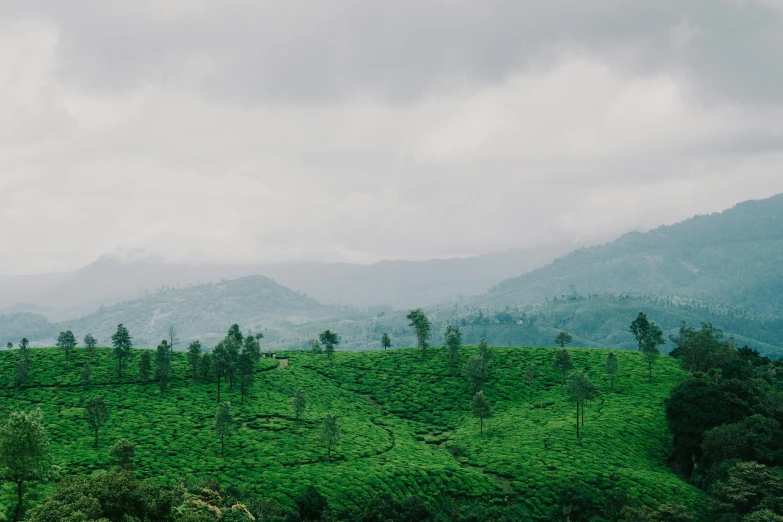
405	420
400	284
735	256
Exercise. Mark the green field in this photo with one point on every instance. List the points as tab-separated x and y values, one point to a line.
406	426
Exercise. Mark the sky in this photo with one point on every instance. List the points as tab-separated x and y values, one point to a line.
361	130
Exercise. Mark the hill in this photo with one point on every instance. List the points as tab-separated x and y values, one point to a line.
405	420
398	284
735	256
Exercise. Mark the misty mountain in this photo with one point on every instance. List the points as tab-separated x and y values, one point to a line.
400	284
734	257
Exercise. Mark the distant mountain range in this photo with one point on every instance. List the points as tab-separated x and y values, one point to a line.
399	284
734	257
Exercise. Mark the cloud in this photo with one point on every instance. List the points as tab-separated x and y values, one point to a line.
348	130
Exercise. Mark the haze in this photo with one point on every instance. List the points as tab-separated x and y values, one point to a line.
357	131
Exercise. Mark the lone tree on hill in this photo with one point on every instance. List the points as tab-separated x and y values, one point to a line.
224	424
485	351
145	365
481	408
386	341
9	345
563	338
96	413
639	328
421	325
236	334
90	343
163	365
580	389
122	454
329	339
476	371
66	342
194	357
173	339
299	402
24	453
612	366
330	434
652	340
563	362
453	344
122	343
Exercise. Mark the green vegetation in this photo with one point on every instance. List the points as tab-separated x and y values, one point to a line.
563	338
406	428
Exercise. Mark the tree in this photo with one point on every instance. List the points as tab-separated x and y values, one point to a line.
476	371
9	345
205	369
145	365
122	343
96	413
484	351
194	357
90	343
24	453
703	349
650	344
580	389
221	363
163	365
224	424
232	347
122	454
386	341
563	338
21	371
86	374
329	339
299	402
330	434
563	362
421	325
639	328
235	334
66	342
173	339
247	369
453	344
611	367
481	408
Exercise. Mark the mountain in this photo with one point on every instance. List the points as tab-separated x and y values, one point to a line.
735	257
400	284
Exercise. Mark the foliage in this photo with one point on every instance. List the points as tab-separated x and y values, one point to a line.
579	389
652	339
481	408
612	366
194	357
66	341
90	343
299	402
122	343
122	453
563	338
96	414
145	365
224	424
329	340
162	365
453	343
421	326
563	362
386	341
476	371
330	433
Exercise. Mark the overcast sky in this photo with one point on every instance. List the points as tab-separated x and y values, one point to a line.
363	130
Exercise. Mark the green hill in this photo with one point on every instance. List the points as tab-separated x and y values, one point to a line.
735	256
405	419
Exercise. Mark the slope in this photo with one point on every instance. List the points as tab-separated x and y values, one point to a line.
406	427
735	256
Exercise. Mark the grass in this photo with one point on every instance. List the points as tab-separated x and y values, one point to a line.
405	420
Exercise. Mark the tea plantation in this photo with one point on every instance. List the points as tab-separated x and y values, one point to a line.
405	418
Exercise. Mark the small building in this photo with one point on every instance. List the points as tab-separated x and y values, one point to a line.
270	355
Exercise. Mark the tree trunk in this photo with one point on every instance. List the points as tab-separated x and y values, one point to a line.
577	419
18	511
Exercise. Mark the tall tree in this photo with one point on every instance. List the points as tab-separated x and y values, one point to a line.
145	365
232	347
612	366
563	338
66	341
221	364
475	370
386	341
163	365
485	351
299	402
194	357
173	339
24	453
329	339
205	369
90	343
224	424
639	328
96	413
421	325
236	334
22	368
481	408
122	343
563	362
9	345
453	339
330	433
122	454
652	340
702	349
247	369
25	354
580	389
